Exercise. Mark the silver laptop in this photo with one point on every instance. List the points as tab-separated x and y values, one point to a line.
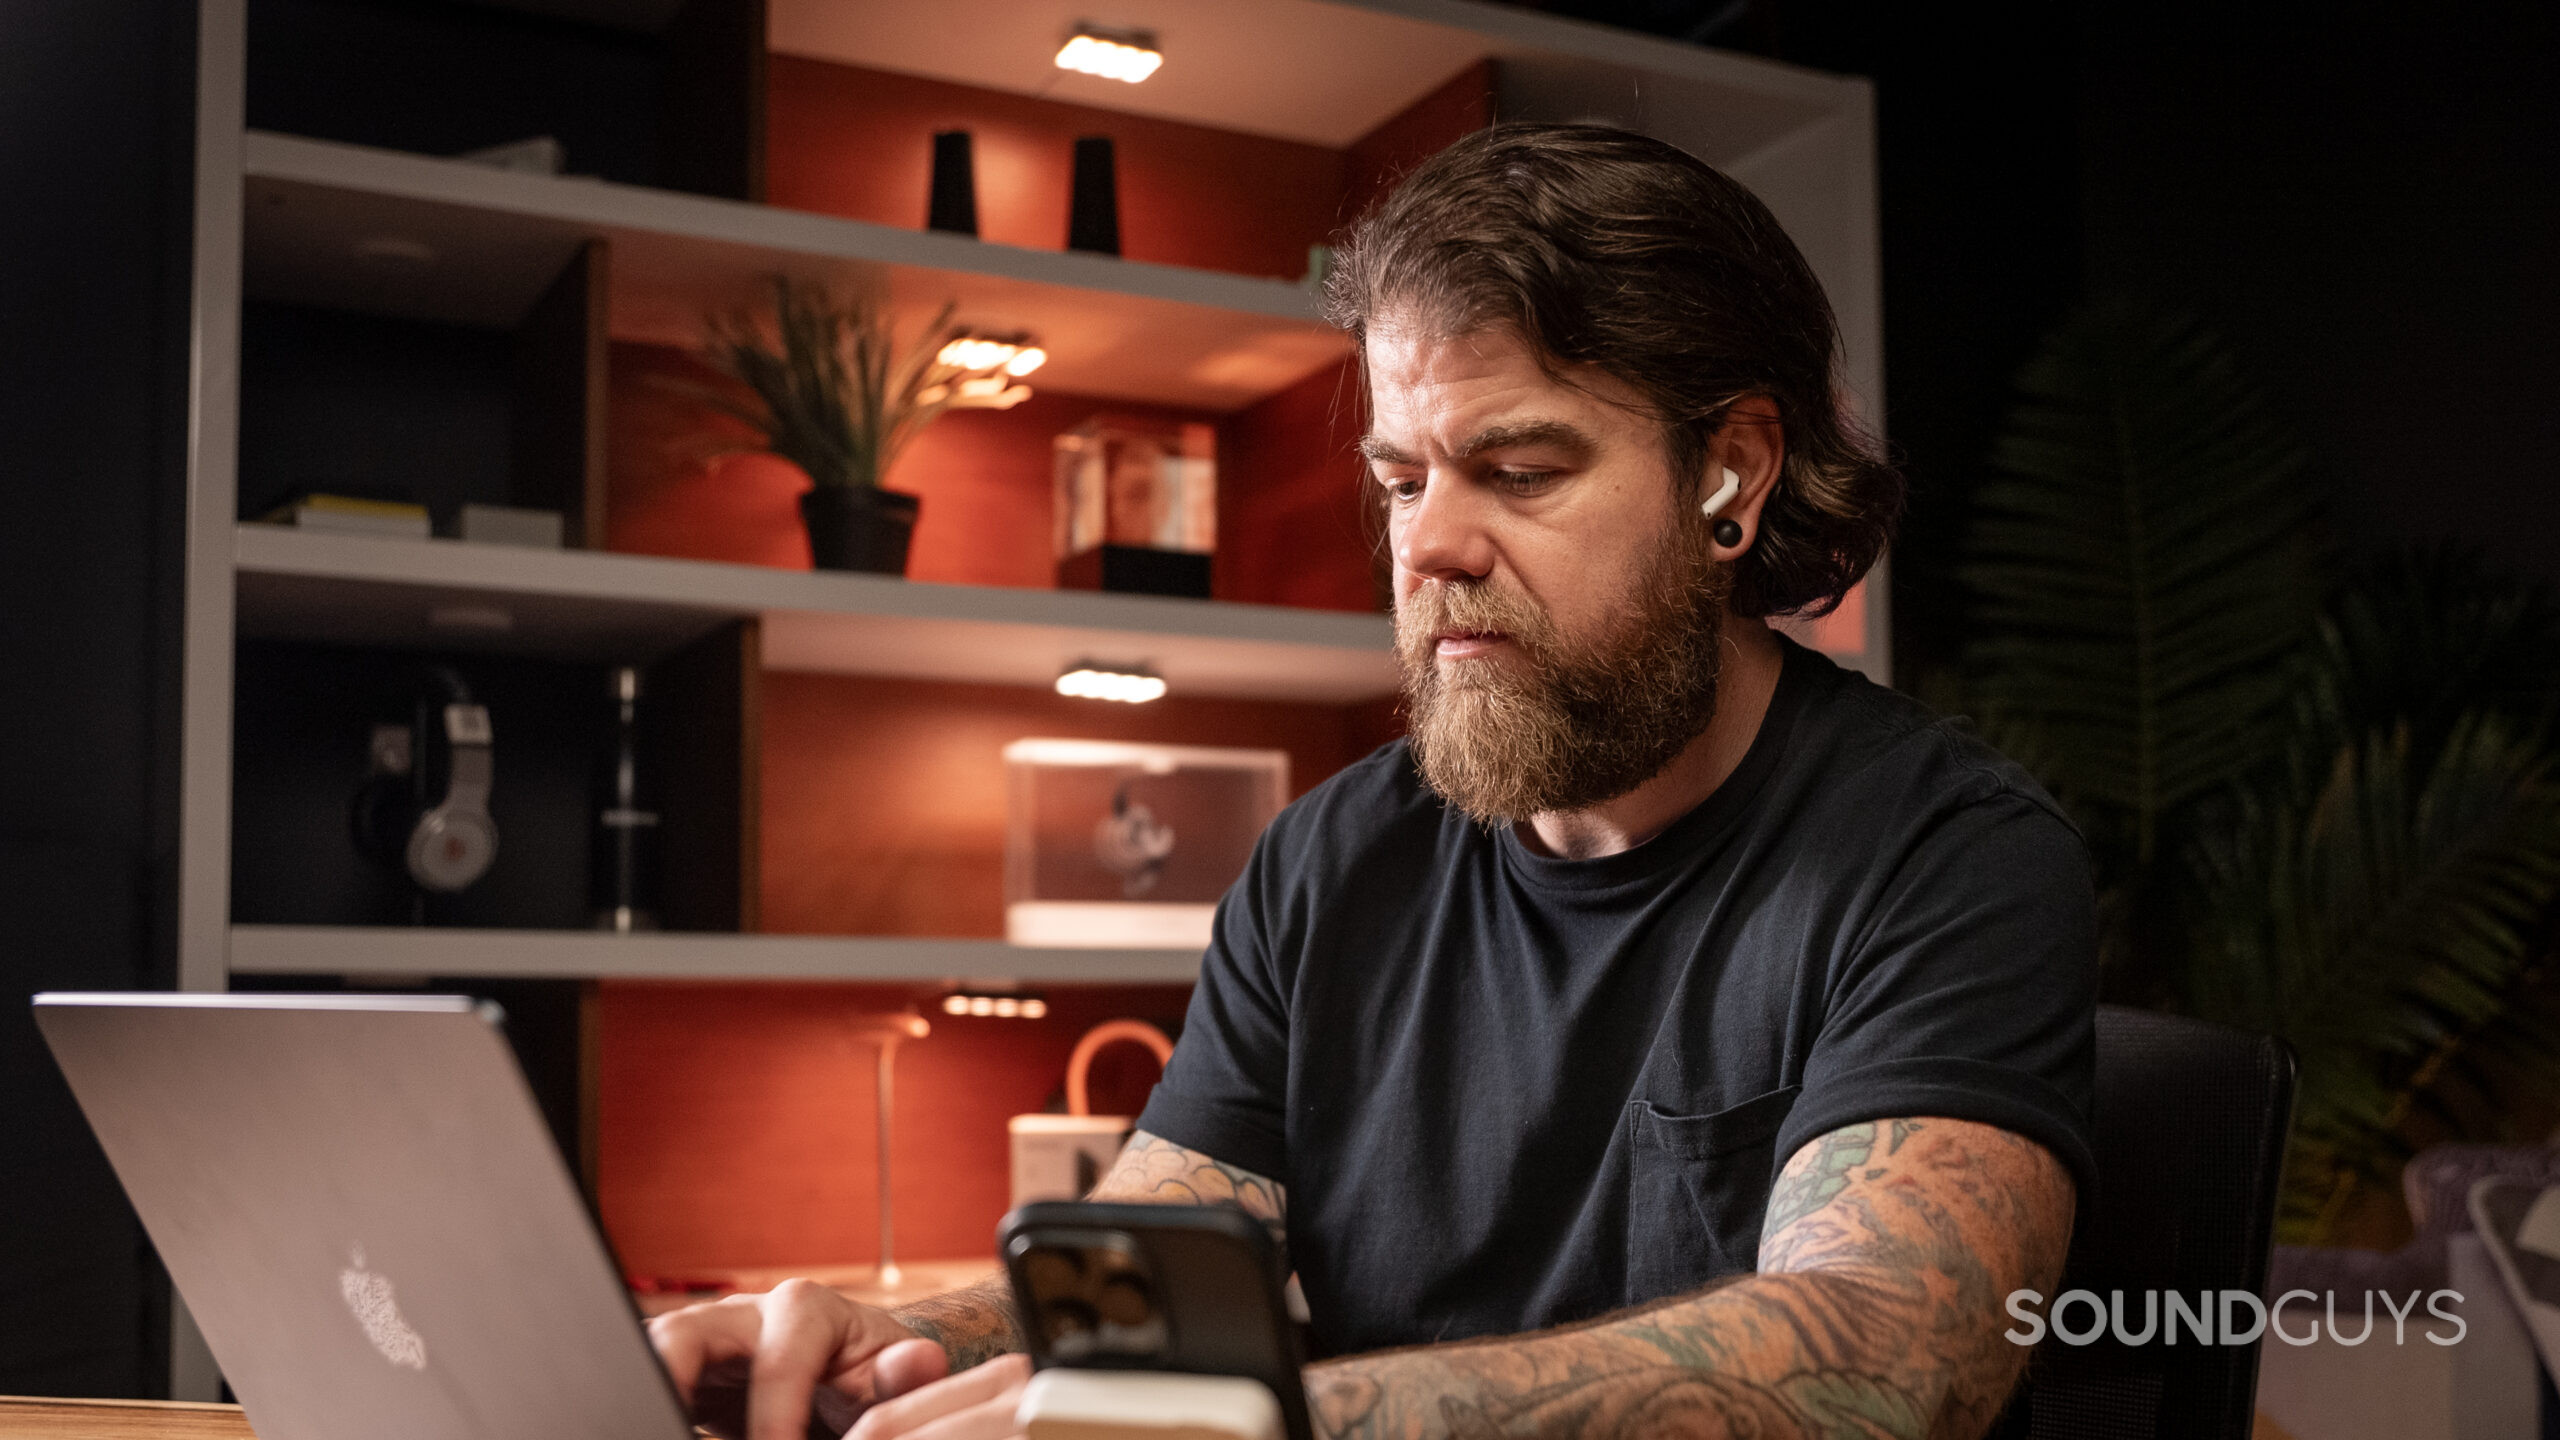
364	1211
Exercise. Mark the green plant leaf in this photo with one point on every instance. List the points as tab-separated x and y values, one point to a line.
2331	818
2424	636
2382	916
833	393
2139	568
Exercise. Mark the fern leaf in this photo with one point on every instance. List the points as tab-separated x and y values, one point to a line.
2139	569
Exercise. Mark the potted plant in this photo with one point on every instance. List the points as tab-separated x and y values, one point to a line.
2323	799
833	393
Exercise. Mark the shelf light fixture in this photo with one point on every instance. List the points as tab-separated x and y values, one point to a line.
1127	55
986	372
1128	684
996	1004
1015	356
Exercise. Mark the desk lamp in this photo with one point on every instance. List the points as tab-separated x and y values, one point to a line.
885	1033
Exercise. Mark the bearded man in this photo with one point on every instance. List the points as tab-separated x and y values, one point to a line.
1675	1033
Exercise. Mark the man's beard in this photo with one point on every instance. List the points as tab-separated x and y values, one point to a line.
1562	724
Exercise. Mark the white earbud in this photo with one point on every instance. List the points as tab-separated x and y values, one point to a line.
1723	497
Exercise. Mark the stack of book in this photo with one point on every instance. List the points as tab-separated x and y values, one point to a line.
348	515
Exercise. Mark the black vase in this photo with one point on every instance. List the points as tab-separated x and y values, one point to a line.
953	203
859	527
1093	200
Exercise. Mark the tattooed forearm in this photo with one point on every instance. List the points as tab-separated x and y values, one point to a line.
1154	1169
1876	1312
972	1325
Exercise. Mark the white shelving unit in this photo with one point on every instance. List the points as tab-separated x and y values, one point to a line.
380	955
1117	329
579	604
279	217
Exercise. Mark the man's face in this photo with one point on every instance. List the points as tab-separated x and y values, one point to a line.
1556	609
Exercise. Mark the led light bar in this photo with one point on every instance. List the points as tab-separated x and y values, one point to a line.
976	353
988	366
1128	55
995	1005
1089	681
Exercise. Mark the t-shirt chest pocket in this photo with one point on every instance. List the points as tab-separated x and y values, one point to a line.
1700	1184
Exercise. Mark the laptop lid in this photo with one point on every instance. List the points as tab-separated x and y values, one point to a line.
358	1199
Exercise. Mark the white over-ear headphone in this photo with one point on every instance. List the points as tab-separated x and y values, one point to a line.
448	841
1724	496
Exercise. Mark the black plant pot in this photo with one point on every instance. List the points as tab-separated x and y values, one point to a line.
859	527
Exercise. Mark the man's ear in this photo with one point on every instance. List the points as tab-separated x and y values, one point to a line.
1753	445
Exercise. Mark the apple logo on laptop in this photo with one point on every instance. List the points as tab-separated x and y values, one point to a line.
369	1296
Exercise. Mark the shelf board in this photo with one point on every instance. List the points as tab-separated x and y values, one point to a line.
492	240
593	606
394	952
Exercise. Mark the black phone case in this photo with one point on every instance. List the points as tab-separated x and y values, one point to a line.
1220	1285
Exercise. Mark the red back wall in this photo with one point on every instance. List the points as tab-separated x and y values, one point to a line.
984	476
1290	529
1377	160
1292	499
735	1121
884	799
859	143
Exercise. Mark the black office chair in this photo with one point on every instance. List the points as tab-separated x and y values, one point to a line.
2191	1126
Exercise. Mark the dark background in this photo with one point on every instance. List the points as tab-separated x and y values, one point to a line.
295	709
2361	197
96	117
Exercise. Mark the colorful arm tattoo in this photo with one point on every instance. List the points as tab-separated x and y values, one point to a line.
1876	1312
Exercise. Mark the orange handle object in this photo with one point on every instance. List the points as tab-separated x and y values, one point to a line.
1103	1034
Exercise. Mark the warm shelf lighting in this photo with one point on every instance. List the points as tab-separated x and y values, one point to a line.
987	366
975	353
1128	55
1089	681
980	392
995	1005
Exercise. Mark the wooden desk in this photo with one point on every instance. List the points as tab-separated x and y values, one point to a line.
854	1282
120	1420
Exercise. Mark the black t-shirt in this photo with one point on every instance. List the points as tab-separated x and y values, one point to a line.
1507	1091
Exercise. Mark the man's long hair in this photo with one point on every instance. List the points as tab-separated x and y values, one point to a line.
1604	248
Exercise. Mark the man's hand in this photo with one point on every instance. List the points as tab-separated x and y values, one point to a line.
980	1404
791	1340
803	1334
977	1405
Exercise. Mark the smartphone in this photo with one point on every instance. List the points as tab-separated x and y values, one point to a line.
1186	1288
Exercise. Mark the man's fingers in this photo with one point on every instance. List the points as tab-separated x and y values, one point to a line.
959	1408
749	1365
691	1338
805	1327
907	1365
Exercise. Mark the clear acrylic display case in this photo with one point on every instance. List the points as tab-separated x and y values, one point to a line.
1136	483
1112	845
